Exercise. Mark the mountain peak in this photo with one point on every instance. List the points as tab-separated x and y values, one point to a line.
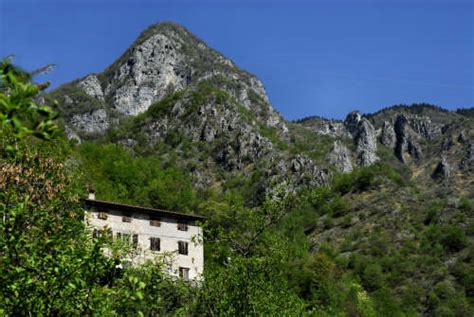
164	59
169	29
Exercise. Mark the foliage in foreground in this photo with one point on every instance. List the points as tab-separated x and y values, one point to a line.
47	253
258	260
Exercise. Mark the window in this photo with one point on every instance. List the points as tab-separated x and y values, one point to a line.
182	226
155	222
155	244
123	236
102	215
184	273
183	247
99	233
127	218
135	241
168	264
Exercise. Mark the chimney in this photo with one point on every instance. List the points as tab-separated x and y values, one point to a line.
91	194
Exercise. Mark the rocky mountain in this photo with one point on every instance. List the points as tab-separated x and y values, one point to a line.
428	139
170	87
393	181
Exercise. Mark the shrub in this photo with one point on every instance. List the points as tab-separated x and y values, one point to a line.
433	213
343	183
466	205
338	207
450	237
453	238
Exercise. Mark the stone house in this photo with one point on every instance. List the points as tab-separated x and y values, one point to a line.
173	237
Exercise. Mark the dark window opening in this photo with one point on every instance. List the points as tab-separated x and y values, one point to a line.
155	222
102	215
125	237
135	241
182	226
101	232
155	244
183	247
184	273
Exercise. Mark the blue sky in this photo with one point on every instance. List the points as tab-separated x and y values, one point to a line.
314	57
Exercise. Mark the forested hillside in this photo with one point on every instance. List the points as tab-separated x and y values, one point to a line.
369	216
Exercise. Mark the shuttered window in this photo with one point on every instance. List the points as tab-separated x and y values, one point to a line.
155	244
123	236
183	247
101	232
135	241
155	222
182	226
184	273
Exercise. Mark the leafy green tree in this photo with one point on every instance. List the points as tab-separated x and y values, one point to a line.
19	113
48	261
118	175
248	278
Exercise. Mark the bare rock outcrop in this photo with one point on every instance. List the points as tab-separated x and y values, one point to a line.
443	170
340	157
91	86
387	136
164	60
365	136
153	69
95	121
467	161
407	140
305	172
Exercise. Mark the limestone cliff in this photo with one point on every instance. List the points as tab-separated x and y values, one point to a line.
171	93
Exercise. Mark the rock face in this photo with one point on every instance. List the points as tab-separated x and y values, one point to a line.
442	170
149	72
388	137
352	123
93	122
340	157
323	126
417	135
365	137
165	59
407	140
305	171
170	90
366	144
423	126
179	92
467	161
91	86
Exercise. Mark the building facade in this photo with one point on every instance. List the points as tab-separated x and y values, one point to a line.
152	234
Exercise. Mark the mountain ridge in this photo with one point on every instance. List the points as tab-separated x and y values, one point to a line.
169	86
387	196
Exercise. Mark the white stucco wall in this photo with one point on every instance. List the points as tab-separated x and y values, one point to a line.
167	232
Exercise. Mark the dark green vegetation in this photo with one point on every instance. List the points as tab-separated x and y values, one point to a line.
396	239
372	243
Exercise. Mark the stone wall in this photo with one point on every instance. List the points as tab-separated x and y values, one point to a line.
167	232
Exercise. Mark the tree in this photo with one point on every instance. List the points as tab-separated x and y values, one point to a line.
19	113
48	263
